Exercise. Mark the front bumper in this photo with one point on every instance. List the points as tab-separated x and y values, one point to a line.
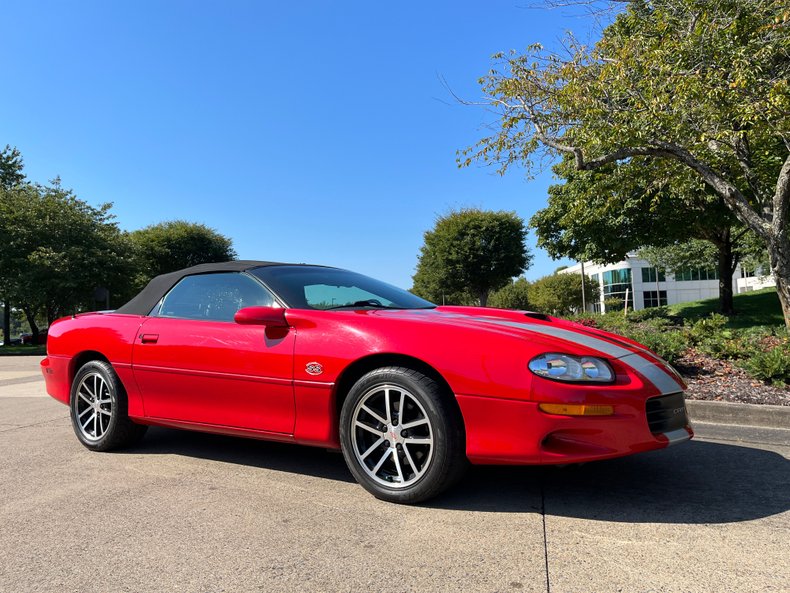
502	431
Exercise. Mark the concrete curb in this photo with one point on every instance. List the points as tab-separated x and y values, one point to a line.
739	414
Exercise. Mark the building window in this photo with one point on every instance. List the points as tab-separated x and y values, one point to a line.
616	283
649	275
691	274
596	279
651	300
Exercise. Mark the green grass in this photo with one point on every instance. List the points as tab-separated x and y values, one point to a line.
23	350
760	307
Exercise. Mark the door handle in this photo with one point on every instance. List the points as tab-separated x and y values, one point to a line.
149	338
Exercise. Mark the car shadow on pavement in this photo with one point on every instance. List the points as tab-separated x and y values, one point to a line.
284	457
698	482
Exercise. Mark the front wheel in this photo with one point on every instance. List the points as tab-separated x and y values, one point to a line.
99	409
402	436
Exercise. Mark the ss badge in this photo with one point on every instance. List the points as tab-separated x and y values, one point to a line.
314	368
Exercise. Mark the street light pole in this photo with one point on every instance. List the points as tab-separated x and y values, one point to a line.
584	298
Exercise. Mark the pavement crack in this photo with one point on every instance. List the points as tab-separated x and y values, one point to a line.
545	538
21	426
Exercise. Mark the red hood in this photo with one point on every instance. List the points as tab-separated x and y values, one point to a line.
523	324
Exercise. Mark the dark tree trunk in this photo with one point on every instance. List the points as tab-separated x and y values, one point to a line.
726	270
6	323
31	320
483	298
726	263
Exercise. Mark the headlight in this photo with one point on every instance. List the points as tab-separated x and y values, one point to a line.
579	369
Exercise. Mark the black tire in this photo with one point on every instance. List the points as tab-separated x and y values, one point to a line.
402	468
99	407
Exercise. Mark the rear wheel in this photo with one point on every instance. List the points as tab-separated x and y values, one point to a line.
402	436
99	409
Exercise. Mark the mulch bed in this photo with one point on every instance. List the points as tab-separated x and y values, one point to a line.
720	380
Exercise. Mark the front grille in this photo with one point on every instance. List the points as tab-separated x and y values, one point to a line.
666	413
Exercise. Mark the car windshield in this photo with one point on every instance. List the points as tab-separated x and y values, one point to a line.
313	287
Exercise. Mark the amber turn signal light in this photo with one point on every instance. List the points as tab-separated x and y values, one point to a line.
577	409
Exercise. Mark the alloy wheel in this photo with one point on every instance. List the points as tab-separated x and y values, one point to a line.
393	437
94	406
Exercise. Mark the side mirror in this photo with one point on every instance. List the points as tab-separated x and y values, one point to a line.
271	317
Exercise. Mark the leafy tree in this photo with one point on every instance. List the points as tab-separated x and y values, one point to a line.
561	294
746	249
754	255
703	84
59	249
604	214
11	175
691	254
512	296
471	251
177	244
11	167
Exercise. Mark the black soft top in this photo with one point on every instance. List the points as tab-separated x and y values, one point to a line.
149	296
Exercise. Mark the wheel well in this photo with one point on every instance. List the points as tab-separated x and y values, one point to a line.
81	359
360	367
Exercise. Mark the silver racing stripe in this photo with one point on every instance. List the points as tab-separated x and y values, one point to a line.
598	344
653	373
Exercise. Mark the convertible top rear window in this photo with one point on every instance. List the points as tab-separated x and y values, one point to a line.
308	287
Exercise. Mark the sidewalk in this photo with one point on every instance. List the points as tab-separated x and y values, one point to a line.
739	414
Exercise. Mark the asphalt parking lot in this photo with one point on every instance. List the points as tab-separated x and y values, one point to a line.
202	513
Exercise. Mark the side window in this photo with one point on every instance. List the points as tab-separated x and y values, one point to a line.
214	297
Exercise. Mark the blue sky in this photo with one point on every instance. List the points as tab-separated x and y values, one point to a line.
314	131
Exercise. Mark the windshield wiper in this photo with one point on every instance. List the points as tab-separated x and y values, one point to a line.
375	304
368	303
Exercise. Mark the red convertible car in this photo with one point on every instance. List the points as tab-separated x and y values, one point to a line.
410	392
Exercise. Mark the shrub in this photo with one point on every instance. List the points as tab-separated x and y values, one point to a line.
669	345
711	336
650	313
762	338
722	346
772	366
706	328
615	323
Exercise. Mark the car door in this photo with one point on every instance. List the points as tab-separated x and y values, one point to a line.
193	363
